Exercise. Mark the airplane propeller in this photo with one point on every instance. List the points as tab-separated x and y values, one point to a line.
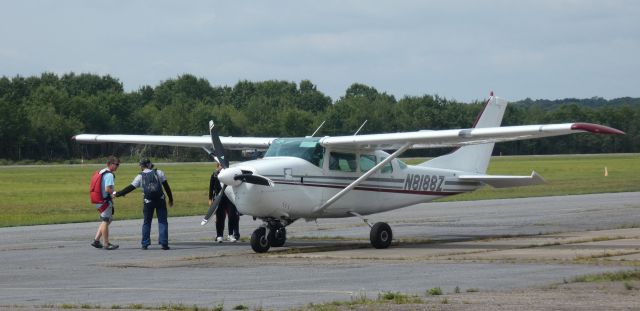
218	154
229	176
218	149
214	206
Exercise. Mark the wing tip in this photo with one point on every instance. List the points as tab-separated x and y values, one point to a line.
85	138
596	128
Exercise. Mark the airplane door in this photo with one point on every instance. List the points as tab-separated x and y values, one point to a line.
342	169
367	162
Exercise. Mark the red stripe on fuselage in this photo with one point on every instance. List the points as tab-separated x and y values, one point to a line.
403	191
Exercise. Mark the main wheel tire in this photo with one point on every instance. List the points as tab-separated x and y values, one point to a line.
259	241
278	237
381	235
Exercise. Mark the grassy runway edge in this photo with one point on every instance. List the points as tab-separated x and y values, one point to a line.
52	194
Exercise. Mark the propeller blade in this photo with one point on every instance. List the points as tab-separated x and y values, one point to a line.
254	179
218	149
213	207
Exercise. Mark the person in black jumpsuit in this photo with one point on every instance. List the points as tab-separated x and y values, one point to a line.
225	208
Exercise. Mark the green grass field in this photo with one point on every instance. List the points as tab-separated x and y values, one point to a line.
59	193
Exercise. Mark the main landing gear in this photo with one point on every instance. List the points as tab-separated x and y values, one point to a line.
271	233
380	235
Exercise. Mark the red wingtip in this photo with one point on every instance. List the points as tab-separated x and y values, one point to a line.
596	128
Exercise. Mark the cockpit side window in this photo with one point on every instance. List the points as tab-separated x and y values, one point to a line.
345	162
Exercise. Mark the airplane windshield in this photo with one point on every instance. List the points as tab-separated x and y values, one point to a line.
304	148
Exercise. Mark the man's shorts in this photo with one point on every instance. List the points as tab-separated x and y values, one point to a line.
107	214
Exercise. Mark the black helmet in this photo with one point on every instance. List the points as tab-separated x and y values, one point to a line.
145	162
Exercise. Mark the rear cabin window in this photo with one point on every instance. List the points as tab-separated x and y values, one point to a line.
367	162
345	162
387	168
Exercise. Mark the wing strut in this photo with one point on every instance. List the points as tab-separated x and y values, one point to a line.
362	178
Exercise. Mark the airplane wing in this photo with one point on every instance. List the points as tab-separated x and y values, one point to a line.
391	141
232	143
461	137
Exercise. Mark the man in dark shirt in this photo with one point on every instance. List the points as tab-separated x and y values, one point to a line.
225	208
150	180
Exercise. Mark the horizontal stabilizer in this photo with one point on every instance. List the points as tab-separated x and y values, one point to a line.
505	181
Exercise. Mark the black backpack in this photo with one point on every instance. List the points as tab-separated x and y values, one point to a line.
151	186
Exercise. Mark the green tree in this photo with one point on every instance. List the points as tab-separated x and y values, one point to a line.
13	128
310	99
185	87
89	84
50	133
295	122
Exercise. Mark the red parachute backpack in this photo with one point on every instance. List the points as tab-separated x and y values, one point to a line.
95	192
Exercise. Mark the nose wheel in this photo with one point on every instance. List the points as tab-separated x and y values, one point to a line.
259	240
277	237
272	234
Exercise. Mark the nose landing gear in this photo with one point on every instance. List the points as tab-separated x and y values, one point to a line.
259	241
271	233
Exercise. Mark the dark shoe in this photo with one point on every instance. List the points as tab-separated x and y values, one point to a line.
145	247
165	247
96	244
111	247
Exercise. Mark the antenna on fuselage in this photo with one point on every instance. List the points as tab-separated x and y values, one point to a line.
314	133
361	126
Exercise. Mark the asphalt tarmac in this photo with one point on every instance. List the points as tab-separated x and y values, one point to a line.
481	245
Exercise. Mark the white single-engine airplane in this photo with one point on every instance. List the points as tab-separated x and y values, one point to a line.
345	176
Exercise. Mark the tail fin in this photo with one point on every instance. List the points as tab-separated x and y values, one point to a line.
474	158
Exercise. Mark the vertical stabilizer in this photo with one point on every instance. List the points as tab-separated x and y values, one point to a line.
474	158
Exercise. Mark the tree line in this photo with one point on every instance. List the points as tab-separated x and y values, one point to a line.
40	114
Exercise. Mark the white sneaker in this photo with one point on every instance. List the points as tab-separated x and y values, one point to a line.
231	238
219	239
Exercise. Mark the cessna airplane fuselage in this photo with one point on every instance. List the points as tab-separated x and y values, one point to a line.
304	183
345	176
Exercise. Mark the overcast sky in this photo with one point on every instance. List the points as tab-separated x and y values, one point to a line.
457	49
